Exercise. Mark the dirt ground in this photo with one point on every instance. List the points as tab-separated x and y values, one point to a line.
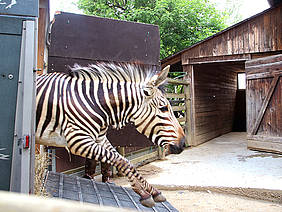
186	201
207	200
195	201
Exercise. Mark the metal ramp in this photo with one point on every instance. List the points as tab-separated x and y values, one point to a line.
104	194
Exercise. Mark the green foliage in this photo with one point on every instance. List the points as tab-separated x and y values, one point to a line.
181	22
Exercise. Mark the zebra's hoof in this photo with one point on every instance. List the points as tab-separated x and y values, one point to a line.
148	202
86	176
159	198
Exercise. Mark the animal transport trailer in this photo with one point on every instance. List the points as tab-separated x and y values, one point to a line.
18	43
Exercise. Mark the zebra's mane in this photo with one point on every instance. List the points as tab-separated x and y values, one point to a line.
132	72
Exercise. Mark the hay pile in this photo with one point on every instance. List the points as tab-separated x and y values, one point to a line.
42	160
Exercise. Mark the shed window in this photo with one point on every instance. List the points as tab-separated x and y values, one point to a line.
241	81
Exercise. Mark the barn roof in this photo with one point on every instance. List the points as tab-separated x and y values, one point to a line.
208	40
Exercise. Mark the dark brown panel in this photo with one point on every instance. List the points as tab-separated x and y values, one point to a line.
129	137
85	39
94	38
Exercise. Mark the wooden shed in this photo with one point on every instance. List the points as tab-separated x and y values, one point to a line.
217	106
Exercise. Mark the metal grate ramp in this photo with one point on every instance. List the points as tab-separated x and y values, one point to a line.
103	194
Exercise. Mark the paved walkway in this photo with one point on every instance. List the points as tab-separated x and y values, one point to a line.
222	162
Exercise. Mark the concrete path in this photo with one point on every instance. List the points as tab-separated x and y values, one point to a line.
205	178
222	162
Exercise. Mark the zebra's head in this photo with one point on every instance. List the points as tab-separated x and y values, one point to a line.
156	119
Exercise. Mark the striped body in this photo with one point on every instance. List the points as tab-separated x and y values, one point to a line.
75	111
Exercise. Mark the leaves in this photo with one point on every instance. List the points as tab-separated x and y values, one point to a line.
181	22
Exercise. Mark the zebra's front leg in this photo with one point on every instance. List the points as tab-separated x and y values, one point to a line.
138	183
149	195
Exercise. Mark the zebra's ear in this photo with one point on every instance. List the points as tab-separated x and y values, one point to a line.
160	77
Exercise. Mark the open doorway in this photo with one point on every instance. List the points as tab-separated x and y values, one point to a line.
219	104
239	122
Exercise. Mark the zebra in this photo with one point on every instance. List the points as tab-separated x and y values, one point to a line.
75	111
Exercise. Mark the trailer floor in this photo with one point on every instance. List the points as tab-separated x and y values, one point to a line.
63	186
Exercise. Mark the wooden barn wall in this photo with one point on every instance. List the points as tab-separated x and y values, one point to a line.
264	107
262	33
271	123
214	103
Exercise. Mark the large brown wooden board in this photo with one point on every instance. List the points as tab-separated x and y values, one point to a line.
264	108
94	38
84	40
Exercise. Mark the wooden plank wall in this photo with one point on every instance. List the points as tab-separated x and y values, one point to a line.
215	94
260	77
43	22
262	33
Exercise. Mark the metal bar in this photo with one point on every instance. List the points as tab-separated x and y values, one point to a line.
178	82
16	16
115	196
98	193
79	190
166	207
61	185
154	209
132	200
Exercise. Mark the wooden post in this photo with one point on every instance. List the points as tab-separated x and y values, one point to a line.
161	153
190	111
187	115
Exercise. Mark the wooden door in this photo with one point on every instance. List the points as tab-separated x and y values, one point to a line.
264	108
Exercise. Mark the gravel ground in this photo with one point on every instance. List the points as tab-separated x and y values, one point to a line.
186	201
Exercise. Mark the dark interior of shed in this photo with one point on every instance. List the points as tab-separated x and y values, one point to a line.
220	107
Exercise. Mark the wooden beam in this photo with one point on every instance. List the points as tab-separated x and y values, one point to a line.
182	119
178	82
178	108
264	75
264	105
175	95
270	67
265	60
265	138
219	59
264	146
189	104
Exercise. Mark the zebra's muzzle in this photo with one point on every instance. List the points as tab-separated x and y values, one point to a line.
177	148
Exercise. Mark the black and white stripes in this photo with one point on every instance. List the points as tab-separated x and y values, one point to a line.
75	110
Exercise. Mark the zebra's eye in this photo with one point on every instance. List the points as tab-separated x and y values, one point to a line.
164	108
146	93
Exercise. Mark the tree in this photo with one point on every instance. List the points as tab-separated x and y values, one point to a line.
181	22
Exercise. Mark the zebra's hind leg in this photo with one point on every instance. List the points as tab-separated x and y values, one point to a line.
106	172
90	167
